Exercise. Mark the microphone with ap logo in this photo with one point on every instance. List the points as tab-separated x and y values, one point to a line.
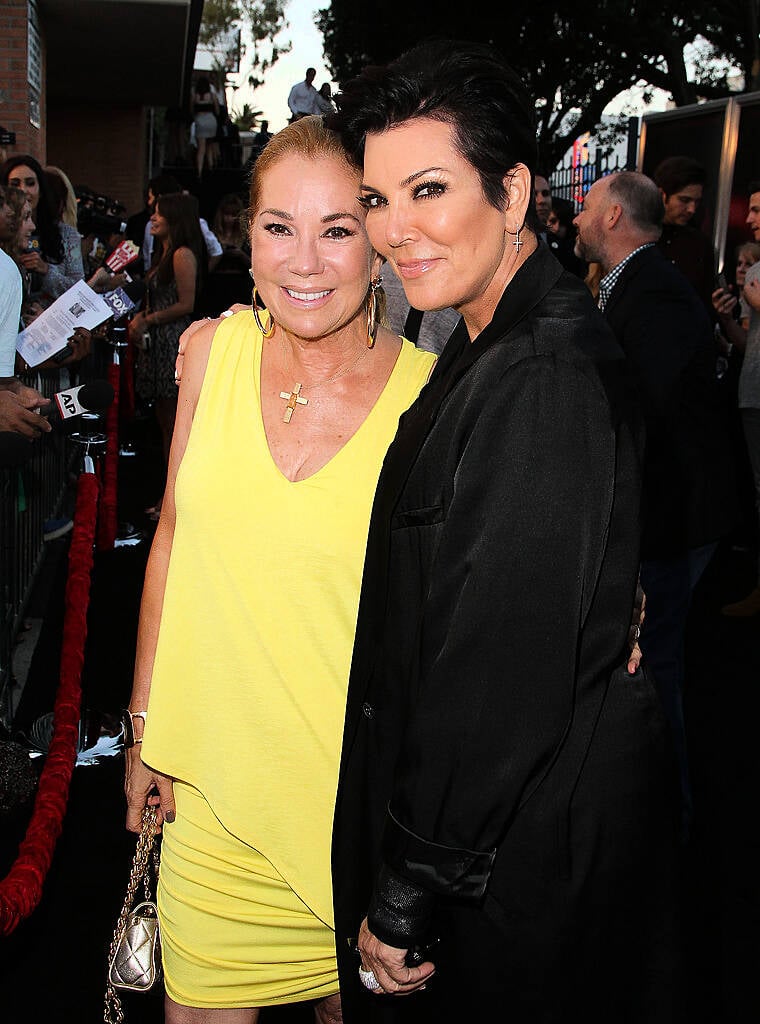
92	397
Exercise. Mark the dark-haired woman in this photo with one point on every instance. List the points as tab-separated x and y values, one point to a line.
55	257
560	235
172	287
505	787
229	282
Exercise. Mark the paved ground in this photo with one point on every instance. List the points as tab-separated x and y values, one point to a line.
52	967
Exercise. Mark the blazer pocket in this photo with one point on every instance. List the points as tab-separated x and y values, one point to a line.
417	517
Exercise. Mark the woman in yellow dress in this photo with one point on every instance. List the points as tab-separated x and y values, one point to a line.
251	593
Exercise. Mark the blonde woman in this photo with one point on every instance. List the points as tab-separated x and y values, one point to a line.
247	621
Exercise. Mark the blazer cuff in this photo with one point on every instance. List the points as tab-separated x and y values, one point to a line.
447	870
399	913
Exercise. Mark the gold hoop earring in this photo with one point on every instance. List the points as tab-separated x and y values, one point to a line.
269	331
372	312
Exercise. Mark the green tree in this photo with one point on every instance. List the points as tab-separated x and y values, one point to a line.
245	118
263	20
574	58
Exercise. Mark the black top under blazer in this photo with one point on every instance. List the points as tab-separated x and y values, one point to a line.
497	762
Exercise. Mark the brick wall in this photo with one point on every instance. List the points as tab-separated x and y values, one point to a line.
101	147
14	88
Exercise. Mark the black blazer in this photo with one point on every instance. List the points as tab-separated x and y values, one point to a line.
690	495
501	566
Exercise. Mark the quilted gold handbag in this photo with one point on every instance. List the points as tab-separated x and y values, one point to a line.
134	959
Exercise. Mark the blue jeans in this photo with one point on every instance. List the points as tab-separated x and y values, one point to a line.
668	586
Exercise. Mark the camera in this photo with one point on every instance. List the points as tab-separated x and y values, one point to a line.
99	215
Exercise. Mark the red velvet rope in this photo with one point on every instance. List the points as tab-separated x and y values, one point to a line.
21	889
107	519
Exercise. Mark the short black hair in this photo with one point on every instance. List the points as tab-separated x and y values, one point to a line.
677	172
754	186
468	86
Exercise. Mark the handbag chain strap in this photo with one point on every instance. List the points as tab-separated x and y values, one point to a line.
140	874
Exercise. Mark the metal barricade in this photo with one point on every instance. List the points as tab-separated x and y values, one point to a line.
30	495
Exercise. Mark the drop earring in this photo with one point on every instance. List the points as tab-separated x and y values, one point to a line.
255	309
372	312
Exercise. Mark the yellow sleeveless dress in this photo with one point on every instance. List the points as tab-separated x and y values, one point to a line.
249	686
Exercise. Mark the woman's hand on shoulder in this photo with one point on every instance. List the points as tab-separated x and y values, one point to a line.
208	325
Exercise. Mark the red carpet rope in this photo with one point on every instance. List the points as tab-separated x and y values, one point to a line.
21	889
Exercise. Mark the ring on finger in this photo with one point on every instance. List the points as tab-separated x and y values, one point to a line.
368	979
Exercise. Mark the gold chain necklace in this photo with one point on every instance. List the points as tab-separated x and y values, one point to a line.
294	396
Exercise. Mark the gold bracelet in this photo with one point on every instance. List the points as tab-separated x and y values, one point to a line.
127	724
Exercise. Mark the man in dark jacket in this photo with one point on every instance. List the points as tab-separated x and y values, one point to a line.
681	182
689	497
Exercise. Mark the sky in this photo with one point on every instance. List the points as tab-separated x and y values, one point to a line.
272	97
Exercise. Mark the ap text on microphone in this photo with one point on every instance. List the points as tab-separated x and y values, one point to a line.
95	396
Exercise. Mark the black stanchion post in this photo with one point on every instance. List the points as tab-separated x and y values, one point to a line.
117	339
91	442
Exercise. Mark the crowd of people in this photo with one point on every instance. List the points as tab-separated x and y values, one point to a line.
40	258
448	663
54	236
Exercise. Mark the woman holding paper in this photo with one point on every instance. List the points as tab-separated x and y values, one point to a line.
21	227
55	254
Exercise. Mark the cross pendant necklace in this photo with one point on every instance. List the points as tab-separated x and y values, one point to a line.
294	396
